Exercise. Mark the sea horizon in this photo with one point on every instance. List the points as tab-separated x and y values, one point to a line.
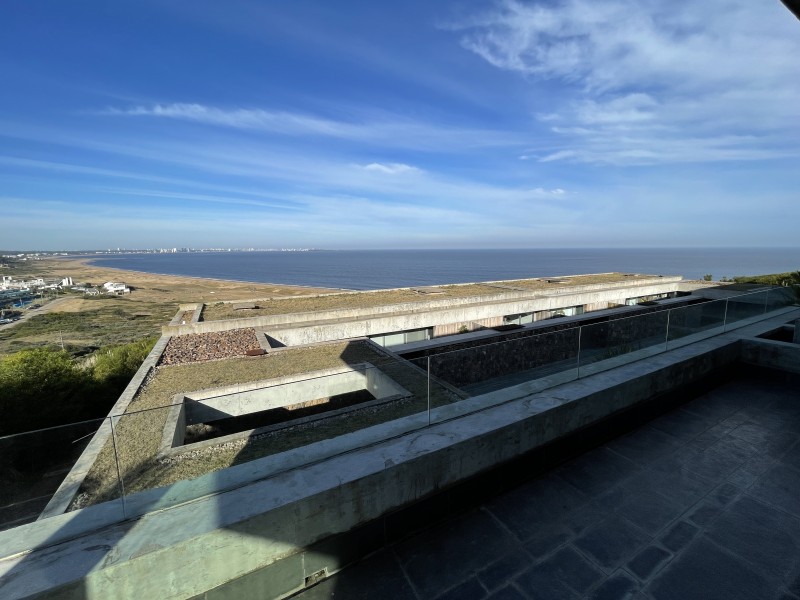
379	269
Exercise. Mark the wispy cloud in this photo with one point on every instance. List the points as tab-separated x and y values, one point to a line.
367	126
654	82
389	168
242	118
553	193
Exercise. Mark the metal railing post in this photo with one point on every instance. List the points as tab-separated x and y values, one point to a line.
766	301
578	371
429	389
666	335
116	460
725	316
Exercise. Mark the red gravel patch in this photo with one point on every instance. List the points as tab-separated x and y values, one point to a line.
198	347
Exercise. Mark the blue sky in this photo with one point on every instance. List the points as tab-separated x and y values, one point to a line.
362	124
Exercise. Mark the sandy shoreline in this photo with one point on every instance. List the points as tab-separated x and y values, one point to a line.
80	322
171	288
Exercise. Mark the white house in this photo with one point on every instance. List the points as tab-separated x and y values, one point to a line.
113	287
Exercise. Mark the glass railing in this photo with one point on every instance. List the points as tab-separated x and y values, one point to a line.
35	464
686	323
213	440
164	451
608	344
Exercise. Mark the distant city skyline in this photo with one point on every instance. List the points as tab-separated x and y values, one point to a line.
454	124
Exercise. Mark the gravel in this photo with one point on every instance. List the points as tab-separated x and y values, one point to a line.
199	347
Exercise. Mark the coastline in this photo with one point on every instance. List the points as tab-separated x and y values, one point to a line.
81	323
161	287
87	262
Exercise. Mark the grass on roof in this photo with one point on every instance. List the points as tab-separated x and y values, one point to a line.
278	306
138	433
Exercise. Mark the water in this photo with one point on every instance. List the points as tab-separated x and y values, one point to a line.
376	269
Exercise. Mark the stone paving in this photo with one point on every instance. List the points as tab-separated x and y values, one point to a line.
701	503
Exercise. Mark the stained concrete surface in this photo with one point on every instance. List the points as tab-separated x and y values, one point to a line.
703	502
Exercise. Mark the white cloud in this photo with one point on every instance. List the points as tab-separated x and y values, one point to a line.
364	126
240	118
389	168
654	81
545	193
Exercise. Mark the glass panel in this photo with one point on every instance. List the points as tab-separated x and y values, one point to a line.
34	464
779	297
416	336
706	318
480	368
746	306
613	343
181	452
394	339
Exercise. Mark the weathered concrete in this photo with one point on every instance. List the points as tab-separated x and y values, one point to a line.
300	328
208	405
191	548
69	487
618	521
772	354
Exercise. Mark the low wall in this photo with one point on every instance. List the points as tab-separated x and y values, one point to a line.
270	536
311	333
784	356
302	328
208	404
72	482
531	348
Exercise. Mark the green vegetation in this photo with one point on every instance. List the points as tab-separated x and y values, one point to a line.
139	432
278	306
791	280
783	279
115	321
44	387
115	366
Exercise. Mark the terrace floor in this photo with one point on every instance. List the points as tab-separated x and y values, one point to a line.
702	502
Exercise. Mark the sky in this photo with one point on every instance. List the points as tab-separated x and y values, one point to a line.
414	124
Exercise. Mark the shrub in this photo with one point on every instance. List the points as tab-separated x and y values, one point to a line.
39	388
117	364
44	387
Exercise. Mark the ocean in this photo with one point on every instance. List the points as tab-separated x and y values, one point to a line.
377	269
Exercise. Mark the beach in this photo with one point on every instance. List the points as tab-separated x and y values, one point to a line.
80	323
154	287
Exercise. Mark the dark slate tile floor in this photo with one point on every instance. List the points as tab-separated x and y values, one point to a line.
701	503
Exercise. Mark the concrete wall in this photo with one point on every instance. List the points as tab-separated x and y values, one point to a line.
783	356
310	333
269	527
453	328
69	487
448	310
210	405
206	406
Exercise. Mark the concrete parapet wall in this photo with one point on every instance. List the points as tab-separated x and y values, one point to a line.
275	394
69	487
323	331
517	301
784	356
270	525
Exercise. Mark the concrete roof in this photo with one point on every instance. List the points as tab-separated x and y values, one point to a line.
373	298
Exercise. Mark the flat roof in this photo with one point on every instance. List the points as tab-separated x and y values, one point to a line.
698	503
139	431
371	298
